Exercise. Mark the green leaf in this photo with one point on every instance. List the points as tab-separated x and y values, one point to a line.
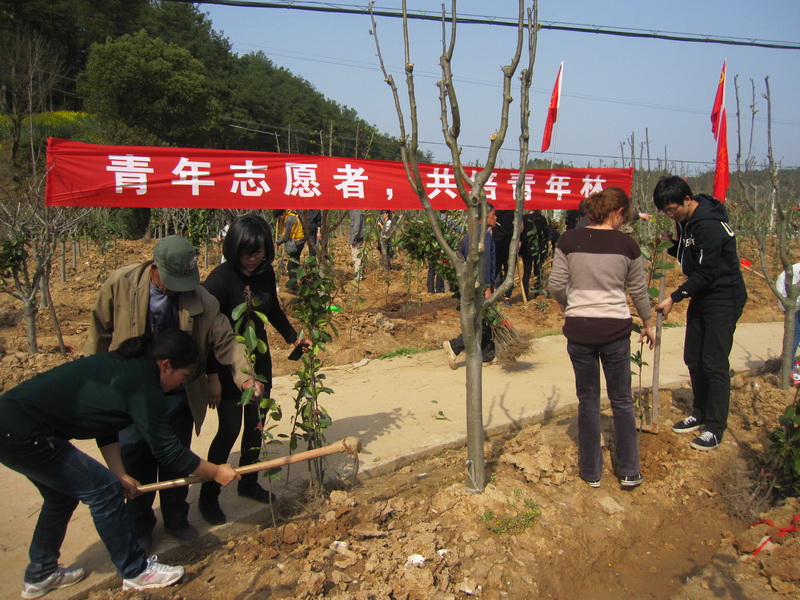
664	245
247	395
261	316
237	312
250	339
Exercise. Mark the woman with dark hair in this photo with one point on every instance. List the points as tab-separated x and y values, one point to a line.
249	252
96	397
592	268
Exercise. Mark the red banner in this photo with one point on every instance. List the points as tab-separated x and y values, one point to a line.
96	175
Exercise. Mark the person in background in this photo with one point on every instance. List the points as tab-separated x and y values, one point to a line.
592	268
534	250
780	284
356	240
452	348
249	252
385	238
152	297
706	251
292	236
314	223
97	397
501	233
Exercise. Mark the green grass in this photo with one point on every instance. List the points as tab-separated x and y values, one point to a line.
513	524
404	351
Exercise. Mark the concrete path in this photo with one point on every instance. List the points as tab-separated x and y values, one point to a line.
392	406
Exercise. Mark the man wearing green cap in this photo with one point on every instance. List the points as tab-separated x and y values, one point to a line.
155	296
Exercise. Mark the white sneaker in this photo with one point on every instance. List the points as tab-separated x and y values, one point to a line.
451	356
155	575
60	578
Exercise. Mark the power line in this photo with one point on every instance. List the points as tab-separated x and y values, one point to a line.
674	36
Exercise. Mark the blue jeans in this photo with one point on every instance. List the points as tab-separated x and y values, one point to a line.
616	360
796	341
64	476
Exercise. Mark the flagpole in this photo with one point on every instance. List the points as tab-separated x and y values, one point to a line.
555	140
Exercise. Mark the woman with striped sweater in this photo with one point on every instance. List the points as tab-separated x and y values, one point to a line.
592	268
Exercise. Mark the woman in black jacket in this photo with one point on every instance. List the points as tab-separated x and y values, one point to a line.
249	252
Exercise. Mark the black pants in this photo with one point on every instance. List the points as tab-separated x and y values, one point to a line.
502	247
142	465
435	281
532	263
292	262
231	414
710	325
487	343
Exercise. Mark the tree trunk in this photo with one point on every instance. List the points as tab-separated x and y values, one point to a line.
471	332
62	348
63	261
787	356
29	311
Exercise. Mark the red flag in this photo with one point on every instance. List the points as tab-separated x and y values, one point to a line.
719	102
722	174
552	112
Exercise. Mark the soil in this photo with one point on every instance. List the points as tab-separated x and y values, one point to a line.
537	531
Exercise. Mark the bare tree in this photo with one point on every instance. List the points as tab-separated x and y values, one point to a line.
29	230
773	219
472	193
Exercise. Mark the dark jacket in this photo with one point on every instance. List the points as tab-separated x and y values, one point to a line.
228	286
96	397
535	237
706	251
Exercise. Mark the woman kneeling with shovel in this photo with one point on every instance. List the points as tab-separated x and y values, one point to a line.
96	397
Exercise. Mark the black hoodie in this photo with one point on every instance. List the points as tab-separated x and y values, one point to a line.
706	251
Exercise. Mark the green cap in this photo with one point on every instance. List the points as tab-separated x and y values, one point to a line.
177	264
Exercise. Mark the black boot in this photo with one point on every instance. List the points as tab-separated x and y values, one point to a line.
209	505
255	492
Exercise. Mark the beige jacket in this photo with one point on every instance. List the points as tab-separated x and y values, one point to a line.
121	312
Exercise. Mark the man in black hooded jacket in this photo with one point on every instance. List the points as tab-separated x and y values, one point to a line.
706	251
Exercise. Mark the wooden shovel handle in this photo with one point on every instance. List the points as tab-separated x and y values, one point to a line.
350	445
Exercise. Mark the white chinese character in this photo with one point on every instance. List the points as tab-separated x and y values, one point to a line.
490	187
529	181
591	185
245	182
352	185
442	181
131	172
558	184
301	180
190	173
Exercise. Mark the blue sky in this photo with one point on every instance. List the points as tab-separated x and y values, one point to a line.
612	87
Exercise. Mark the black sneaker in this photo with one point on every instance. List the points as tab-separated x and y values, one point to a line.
687	425
631	481
595	483
705	441
212	513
